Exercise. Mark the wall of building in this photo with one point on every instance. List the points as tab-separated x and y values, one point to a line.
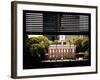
61	52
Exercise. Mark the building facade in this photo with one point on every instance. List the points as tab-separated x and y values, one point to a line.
60	52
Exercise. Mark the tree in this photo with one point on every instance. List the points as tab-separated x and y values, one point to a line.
86	55
85	44
38	47
81	42
38	51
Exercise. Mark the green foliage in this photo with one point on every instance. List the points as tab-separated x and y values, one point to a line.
81	42
85	44
50	42
55	42
38	46
38	49
86	54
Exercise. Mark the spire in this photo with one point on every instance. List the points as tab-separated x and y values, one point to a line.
62	39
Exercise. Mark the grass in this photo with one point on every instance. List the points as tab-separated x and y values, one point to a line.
66	60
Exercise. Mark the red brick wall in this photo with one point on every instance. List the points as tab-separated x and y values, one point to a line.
61	53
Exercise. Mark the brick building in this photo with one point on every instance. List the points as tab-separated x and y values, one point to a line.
61	52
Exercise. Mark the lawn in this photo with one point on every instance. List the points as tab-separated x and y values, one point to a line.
66	60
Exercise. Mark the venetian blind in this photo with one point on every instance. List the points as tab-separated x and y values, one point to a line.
34	22
74	23
53	22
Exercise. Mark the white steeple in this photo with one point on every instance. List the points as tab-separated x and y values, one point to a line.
61	37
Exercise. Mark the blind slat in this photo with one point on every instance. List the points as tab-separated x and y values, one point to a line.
53	22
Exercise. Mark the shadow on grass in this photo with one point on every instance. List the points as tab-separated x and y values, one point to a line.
55	64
